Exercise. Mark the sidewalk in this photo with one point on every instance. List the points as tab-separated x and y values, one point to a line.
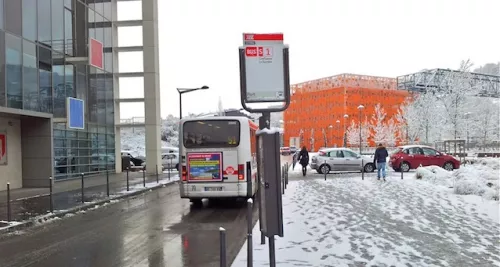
31	202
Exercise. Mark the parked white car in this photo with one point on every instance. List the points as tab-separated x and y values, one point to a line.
341	159
170	161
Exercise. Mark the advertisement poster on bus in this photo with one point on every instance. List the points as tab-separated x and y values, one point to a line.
204	166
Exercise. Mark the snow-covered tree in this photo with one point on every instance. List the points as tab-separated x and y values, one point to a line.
170	130
365	131
454	95
485	120
391	133
378	126
352	134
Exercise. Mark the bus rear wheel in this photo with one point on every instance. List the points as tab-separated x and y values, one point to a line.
196	202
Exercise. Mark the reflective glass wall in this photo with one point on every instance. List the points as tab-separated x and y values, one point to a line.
36	39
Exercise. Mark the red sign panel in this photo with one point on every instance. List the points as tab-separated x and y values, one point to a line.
3	148
96	58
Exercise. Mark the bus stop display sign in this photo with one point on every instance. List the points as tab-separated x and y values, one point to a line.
264	71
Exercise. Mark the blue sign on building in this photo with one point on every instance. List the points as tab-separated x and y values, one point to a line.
76	113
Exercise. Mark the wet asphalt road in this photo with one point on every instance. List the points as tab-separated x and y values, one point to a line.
154	229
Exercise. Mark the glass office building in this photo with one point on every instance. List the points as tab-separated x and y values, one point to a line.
38	40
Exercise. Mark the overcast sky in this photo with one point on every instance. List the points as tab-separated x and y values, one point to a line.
199	41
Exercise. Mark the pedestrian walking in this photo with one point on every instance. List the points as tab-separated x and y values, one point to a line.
380	160
304	159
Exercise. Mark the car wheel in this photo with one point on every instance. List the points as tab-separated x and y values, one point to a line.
404	166
369	167
448	166
325	169
319	171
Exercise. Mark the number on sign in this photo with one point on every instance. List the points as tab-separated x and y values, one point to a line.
268	51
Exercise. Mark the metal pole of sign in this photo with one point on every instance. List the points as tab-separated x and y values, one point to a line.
222	234
249	234
272	252
169	169
107	182
266	116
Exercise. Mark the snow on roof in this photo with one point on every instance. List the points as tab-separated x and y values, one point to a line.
411	146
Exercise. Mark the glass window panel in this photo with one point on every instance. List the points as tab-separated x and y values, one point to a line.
108	62
108	14
2	66
68	32
110	103
59	143
1	14
30	77
101	99
69	80
60	153
71	134
124	34
92	99
110	140
130	61
129	10
29	19
68	4
59	87
58	25
13	16
13	71
44	22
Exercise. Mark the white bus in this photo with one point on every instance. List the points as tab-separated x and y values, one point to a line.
218	158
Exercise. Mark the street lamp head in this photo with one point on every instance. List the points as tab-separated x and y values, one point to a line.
361	107
331	126
338	121
346	116
204	87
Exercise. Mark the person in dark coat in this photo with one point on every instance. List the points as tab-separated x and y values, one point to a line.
304	159
380	160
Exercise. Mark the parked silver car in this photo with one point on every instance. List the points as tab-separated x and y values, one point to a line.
341	159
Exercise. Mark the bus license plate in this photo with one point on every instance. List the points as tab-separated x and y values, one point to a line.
213	188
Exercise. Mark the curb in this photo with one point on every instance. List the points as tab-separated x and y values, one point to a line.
30	222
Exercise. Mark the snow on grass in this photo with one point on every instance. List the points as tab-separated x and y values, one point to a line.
8	224
351	222
481	178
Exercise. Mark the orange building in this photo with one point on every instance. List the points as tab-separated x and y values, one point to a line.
317	105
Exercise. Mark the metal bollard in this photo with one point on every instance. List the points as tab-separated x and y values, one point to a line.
107	182
83	189
50	195
144	176
128	184
222	234
286	178
325	170
8	202
170	167
362	169
249	233
157	179
401	174
282	180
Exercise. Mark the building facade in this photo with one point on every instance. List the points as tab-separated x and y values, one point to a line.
40	42
321	110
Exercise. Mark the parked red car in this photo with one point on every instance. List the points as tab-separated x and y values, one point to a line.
412	156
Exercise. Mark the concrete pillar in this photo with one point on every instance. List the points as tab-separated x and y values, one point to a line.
116	89
152	110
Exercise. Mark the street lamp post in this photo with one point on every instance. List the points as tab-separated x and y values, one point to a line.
187	90
331	133
344	138
338	128
360	108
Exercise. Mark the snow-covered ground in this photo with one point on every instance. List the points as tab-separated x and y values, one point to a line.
346	221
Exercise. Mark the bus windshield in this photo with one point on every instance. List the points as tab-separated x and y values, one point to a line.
211	133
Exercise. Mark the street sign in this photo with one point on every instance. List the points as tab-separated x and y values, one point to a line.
76	113
264	71
96	57
3	148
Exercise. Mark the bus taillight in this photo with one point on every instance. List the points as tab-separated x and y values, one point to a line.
184	174
241	172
